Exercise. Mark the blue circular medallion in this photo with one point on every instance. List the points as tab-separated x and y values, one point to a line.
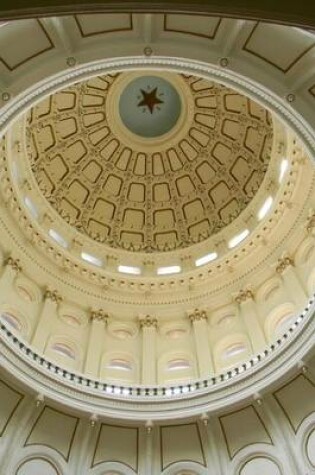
149	106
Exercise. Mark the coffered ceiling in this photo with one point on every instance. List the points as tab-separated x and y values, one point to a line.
143	194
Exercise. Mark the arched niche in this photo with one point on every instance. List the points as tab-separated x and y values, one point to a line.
176	366
305	253
111	468
118	366
229	351
63	351
259	465
279	320
270	294
72	316
186	472
13	318
27	291
37	466
310	447
185	468
224	317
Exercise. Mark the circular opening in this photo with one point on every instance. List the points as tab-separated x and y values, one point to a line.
149	106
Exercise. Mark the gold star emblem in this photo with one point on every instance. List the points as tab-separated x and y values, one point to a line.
150	99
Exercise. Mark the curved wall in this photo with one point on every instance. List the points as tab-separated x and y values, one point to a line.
274	433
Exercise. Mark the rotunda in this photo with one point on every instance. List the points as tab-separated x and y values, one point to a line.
157	245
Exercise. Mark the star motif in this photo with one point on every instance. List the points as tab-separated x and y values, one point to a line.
149	99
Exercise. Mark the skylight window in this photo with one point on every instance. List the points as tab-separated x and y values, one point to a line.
168	270
129	270
95	261
283	168
205	259
238	238
265	208
31	207
58	238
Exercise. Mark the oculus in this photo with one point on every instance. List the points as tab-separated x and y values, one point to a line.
149	106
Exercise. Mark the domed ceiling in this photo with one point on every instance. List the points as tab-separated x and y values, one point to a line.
149	161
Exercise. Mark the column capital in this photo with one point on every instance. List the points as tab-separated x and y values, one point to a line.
52	295
283	263
148	321
197	315
14	263
99	316
244	295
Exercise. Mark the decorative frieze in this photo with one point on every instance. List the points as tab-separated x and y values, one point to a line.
197	315
243	295
283	263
